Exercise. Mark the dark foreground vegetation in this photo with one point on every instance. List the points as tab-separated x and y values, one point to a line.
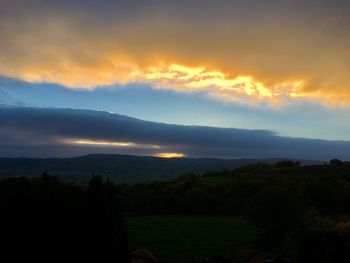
279	212
43	220
299	213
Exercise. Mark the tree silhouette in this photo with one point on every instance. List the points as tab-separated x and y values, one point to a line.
43	220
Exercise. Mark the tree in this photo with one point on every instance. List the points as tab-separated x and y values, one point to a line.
44	220
336	162
276	211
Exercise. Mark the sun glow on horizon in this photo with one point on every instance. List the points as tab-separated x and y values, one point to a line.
169	155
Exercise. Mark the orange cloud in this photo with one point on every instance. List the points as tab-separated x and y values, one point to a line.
271	56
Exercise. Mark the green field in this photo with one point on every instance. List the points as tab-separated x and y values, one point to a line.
170	237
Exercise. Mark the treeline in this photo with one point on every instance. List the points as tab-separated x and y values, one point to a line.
43	220
302	210
232	192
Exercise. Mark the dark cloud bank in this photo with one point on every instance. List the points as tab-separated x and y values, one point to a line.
39	132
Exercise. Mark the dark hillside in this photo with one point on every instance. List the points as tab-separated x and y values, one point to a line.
120	168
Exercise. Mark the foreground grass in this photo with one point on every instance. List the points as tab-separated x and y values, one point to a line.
171	237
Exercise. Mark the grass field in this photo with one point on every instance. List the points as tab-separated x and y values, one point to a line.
170	237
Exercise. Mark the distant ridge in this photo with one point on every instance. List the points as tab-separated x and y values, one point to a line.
122	168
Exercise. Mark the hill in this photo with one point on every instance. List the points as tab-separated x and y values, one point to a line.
120	168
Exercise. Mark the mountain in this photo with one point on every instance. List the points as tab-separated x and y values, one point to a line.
120	168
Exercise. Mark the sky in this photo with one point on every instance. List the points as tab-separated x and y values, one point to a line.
281	67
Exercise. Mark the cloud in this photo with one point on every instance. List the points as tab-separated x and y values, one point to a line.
57	132
240	51
6	97
3	96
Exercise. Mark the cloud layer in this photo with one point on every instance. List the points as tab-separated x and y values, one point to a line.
245	51
65	132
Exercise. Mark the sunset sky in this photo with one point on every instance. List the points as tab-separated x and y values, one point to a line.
277	66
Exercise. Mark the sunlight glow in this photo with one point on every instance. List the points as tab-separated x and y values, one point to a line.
112	143
169	155
181	78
